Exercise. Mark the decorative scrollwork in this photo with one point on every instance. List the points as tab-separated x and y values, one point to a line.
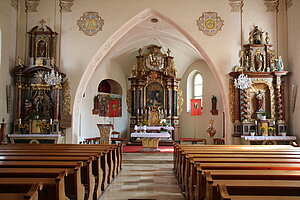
129	101
66	109
180	101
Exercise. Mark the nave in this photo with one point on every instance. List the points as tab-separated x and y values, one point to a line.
145	176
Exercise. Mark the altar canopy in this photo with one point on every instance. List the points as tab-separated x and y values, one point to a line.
154	94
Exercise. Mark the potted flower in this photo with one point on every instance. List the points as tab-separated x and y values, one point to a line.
263	116
252	131
271	131
262	131
283	132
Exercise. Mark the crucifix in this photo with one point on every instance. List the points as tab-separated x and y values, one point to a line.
42	22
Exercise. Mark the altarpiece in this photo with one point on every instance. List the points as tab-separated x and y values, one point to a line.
261	107
42	95
154	94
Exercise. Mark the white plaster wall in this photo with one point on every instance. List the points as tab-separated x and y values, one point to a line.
293	62
77	49
109	70
196	126
7	50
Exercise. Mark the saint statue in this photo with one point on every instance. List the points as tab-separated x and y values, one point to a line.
257	35
259	101
279	64
27	108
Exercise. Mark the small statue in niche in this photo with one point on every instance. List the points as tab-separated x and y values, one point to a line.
27	109
214	110
257	35
42	47
279	64
39	102
259	58
259	101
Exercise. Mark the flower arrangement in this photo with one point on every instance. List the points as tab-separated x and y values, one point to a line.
271	130
44	126
23	127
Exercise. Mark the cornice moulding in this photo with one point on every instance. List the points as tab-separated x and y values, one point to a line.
66	5
15	4
236	5
272	5
32	5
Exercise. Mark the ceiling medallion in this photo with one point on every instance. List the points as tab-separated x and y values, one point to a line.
90	23
210	23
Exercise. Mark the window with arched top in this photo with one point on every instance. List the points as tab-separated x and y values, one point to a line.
198	86
194	88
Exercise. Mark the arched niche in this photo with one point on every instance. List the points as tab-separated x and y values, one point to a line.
108	100
110	86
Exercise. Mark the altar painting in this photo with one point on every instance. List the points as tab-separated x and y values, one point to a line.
155	95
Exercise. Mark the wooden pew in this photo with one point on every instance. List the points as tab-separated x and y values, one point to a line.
32	194
254	187
50	164
74	187
201	167
247	175
111	160
54	188
224	195
189	174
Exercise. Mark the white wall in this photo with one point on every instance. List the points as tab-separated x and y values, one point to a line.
109	70
77	49
293	63
196	126
8	46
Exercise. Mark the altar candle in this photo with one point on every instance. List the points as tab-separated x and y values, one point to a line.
20	121
274	123
255	122
50	121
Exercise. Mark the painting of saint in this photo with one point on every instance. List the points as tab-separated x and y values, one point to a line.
155	95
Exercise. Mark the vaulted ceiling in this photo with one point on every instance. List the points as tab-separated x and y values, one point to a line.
159	33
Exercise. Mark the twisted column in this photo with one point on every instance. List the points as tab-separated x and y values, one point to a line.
244	110
279	100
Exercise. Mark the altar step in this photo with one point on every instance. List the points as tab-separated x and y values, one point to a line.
148	158
161	143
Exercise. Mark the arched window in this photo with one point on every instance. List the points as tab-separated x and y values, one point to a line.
194	88
198	86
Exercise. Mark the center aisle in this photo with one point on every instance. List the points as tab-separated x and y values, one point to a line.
145	176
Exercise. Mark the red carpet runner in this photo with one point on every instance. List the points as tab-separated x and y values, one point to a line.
136	149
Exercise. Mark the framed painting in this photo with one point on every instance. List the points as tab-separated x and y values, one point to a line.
155	95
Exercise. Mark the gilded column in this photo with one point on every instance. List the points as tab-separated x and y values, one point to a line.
19	100
280	115
56	103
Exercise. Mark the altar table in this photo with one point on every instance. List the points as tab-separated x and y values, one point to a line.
248	140
150	140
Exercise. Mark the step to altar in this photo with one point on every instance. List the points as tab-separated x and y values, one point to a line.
148	158
161	143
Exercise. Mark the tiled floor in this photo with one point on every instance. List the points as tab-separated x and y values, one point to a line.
145	176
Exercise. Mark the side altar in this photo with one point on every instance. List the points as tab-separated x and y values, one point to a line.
42	100
258	87
154	97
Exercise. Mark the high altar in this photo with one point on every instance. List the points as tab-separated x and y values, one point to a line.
154	94
42	95
259	110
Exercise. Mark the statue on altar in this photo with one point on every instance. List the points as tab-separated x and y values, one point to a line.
259	101
257	35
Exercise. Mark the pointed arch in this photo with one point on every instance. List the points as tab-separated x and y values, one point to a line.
108	46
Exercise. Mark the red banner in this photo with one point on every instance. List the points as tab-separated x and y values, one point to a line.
113	108
196	107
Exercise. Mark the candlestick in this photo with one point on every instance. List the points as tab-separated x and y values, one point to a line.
51	121
20	121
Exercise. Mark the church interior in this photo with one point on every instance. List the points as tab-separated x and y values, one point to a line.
185	80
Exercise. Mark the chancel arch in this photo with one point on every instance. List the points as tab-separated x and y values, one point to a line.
121	38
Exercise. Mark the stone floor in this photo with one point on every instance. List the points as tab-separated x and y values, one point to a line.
145	176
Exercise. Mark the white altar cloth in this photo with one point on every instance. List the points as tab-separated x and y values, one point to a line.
159	135
262	138
155	128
